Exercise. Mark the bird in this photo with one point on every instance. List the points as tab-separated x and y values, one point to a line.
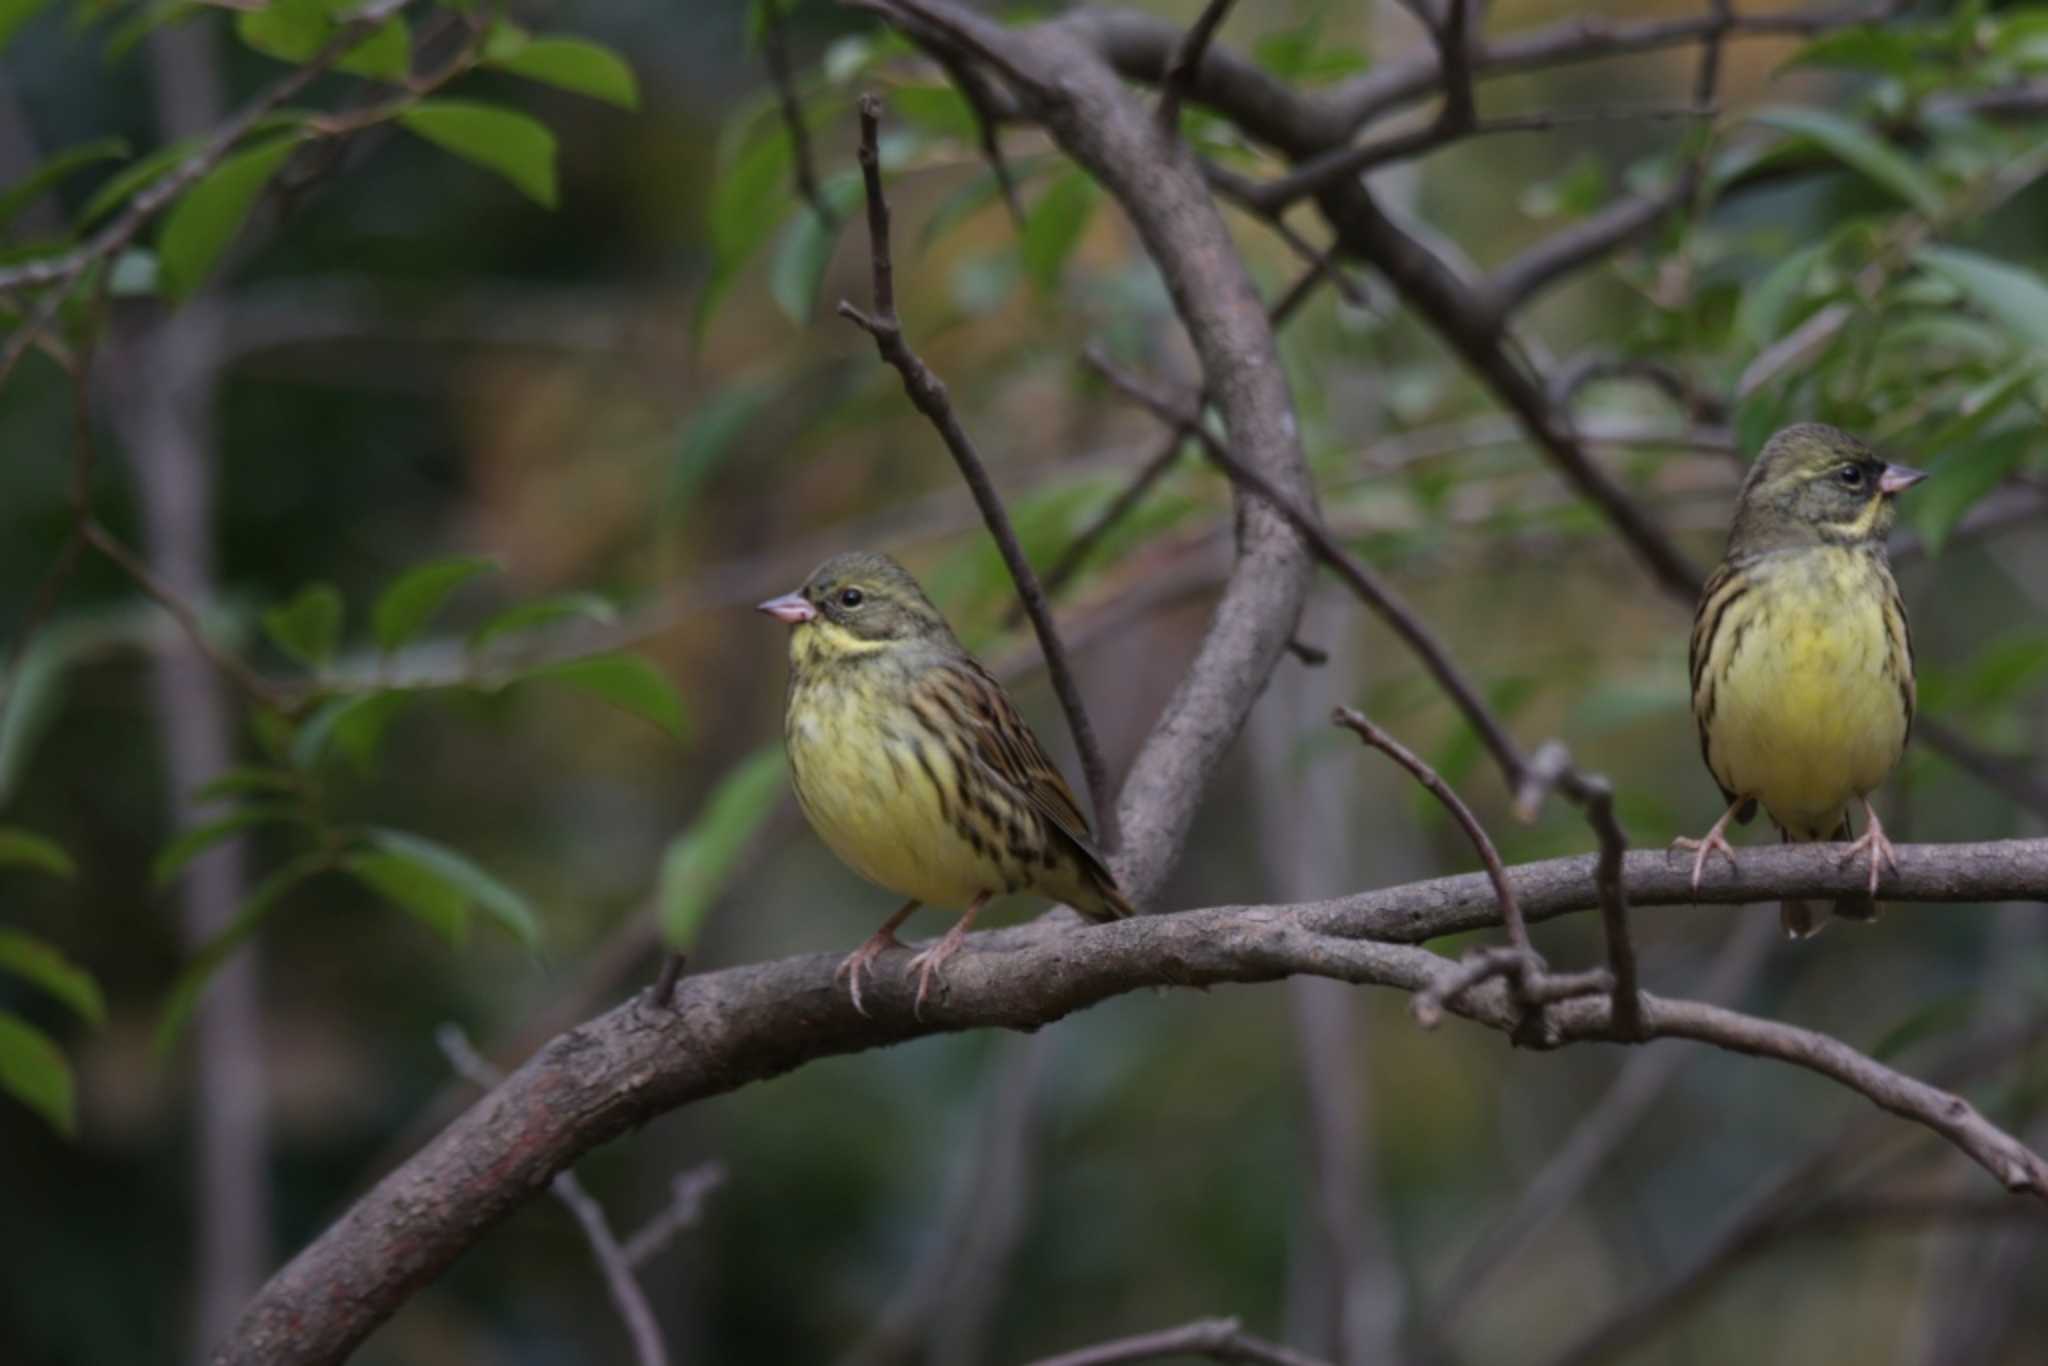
911	763
1801	657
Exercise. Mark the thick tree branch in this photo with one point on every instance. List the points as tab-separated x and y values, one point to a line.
747	1024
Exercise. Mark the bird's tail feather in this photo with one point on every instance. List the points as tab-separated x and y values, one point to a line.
1800	919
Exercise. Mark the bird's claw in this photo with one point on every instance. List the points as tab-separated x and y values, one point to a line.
926	965
862	960
1702	848
1874	843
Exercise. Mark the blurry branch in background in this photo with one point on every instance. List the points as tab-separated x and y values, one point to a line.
775	49
742	1024
944	1302
1216	1339
617	1259
1187	55
1575	1161
928	394
63	272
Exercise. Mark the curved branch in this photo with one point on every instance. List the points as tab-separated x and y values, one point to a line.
747	1024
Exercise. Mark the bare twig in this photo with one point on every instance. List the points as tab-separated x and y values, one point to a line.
775	50
1187	56
612	1259
928	394
1519	280
688	1190
1216	1339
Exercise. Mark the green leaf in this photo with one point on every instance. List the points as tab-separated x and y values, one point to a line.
1767	305
530	616
117	187
191	983
626	681
1860	149
573	64
15	13
34	1072
500	902
406	607
24	849
937	109
173	858
209	215
39	962
806	247
2001	671
1944	1014
245	781
309	626
354	726
416	888
294	30
45	177
700	861
1866	48
1958	478
1054	228
710	433
747	198
517	147
2011	295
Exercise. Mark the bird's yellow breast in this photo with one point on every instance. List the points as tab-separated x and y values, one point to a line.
870	779
1802	701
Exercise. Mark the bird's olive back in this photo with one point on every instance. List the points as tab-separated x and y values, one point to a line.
1811	483
873	598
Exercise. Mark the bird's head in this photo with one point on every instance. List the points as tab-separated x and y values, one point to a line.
854	605
1818	483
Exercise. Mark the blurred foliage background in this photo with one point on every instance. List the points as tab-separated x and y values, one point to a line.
598	385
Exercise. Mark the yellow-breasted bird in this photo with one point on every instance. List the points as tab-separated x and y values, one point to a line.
1802	663
910	762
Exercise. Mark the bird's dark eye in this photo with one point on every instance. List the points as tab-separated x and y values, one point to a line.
851	597
1851	476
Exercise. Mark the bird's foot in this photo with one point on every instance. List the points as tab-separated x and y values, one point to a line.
862	959
1701	848
928	963
1873	843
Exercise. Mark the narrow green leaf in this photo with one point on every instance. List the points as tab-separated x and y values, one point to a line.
1945	1014
747	198
386	55
1857	147
15	13
309	626
37	961
626	681
503	904
191	983
530	616
2009	294
1767	306
209	215
24	849
1958	478
700	862
938	109
354	726
575	64
1864	48
116	188
1054	228
517	147
294	30
710	433
247	781
47	176
173	858
34	1072
417	889
406	607
806	247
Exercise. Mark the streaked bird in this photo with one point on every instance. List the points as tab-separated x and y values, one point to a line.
1802	663
913	766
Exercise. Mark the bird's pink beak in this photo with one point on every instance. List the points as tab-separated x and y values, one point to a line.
1899	478
790	608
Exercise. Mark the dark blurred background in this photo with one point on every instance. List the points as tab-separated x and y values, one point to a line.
407	359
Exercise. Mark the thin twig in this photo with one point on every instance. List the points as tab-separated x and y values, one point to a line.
1216	1339
612	1259
928	394
1187	57
1521	279
688	1190
775	51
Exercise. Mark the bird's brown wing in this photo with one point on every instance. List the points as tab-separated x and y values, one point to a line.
1006	748
1724	586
